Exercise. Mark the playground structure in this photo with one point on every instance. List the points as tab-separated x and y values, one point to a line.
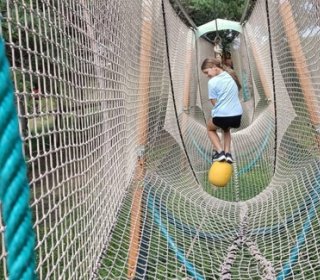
117	154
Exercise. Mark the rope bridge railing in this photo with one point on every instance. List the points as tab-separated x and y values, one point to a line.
112	111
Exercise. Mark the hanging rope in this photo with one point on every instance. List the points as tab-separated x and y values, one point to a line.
14	189
217	40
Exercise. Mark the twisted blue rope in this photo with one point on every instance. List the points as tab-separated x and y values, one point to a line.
171	242
14	188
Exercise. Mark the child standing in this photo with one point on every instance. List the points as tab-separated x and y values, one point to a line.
223	89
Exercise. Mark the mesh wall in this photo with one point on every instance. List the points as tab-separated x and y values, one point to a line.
113	110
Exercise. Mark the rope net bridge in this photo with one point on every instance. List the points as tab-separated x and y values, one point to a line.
112	113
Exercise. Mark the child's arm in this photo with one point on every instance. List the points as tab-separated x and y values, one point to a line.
213	101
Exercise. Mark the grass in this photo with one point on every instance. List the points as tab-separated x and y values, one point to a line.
162	261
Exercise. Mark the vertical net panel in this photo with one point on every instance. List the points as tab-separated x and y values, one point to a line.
69	68
242	67
254	145
178	221
205	50
283	219
294	43
259	56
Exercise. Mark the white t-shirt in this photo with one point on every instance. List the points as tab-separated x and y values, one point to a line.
224	89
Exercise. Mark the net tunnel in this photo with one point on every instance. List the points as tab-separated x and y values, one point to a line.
109	105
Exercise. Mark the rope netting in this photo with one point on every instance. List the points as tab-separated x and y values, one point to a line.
113	107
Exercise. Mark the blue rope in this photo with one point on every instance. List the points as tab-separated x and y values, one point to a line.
179	254
302	236
14	189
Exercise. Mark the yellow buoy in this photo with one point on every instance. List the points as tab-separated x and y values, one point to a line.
220	173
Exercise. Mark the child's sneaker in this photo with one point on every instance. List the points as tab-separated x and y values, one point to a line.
218	156
229	158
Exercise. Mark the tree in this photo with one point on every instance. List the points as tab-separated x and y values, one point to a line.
203	11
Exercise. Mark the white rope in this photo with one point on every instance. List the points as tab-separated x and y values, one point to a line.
105	103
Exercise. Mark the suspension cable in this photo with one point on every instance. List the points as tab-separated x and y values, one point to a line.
185	14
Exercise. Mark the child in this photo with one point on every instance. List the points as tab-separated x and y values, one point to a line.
223	88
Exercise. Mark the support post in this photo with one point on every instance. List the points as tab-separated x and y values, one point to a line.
187	77
300	63
144	83
186	90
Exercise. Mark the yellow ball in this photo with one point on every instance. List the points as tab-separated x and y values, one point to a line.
220	173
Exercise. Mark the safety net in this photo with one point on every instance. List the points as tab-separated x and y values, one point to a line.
113	109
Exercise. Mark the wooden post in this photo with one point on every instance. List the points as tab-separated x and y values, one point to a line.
135	222
143	118
187	77
186	89
300	63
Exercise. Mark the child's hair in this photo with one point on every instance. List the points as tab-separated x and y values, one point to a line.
213	62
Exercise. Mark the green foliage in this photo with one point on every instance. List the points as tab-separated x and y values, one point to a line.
203	11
